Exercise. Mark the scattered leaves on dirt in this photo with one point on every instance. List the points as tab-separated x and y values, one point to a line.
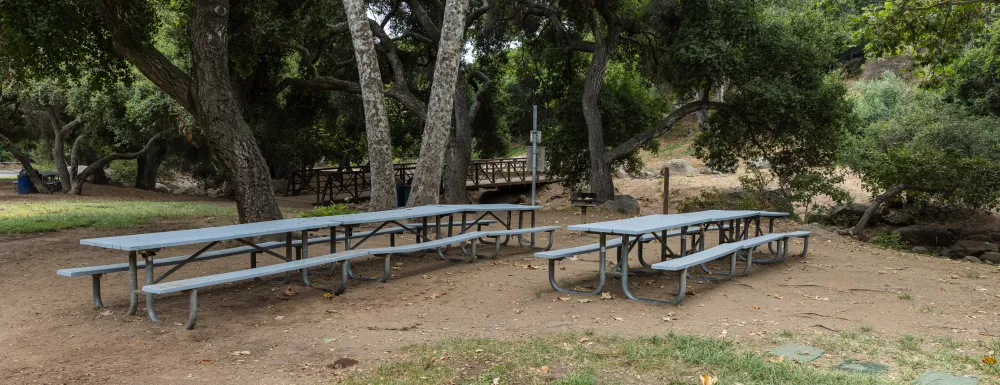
988	360
707	379
206	362
606	295
289	291
328	295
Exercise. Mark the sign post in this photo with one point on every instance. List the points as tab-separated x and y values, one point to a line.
536	137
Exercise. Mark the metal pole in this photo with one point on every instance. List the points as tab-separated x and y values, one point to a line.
666	189
534	150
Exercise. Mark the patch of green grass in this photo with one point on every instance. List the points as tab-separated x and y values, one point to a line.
572	359
328	210
31	217
906	296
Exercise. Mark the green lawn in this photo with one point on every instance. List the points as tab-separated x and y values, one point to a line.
578	359
20	217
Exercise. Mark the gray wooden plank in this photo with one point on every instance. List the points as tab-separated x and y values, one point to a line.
204	235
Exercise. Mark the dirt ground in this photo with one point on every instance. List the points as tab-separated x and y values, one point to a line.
255	333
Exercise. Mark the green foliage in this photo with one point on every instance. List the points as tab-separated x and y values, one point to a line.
5	156
31	217
756	193
974	79
328	210
630	105
123	171
888	239
938	150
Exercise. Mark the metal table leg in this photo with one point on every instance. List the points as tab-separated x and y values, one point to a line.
133	283
150	304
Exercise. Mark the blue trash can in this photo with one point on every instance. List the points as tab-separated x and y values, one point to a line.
24	185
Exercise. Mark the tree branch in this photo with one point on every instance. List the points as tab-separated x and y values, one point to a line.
36	178
150	61
477	99
665	125
100	163
425	20
307	57
476	13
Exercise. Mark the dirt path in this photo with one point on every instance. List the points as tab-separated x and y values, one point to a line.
51	333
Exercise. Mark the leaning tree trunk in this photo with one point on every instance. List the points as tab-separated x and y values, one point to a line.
876	204
460	147
600	165
216	111
59	157
427	177
36	178
383	186
97	167
148	166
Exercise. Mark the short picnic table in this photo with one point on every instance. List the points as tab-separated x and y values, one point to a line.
738	221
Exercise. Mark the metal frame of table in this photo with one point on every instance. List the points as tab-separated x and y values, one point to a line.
147	245
658	225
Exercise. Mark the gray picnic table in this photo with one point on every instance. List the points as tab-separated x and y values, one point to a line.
147	245
739	223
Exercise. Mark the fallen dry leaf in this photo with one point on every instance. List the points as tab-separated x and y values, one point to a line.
707	379
496	381
564	298
240	353
606	295
289	292
328	295
778	296
279	318
584	339
776	359
427	276
583	300
435	295
544	369
989	360
619	318
206	362
517	311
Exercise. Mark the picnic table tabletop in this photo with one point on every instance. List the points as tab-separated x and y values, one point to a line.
149	241
492	207
659	222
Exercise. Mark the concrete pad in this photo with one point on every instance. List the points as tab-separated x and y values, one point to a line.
798	353
934	378
852	365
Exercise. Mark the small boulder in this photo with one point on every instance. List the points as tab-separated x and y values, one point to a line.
995	237
161	188
920	235
973	248
980	237
990	257
920	250
972	259
849	214
625	204
680	167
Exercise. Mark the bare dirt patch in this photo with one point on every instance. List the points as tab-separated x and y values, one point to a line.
253	332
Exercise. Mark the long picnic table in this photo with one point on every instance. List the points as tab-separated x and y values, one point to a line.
147	245
738	224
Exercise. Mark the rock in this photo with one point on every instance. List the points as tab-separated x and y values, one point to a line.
680	167
620	174
649	174
990	257
760	164
217	192
161	188
973	248
995	237
920	235
850	214
980	237
502	196
920	250
625	204
898	218
179	191
279	185
972	259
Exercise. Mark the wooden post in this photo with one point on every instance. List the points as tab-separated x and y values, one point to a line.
666	189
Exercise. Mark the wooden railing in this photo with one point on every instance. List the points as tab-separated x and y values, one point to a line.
329	183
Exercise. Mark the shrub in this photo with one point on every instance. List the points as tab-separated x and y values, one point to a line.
328	210
888	239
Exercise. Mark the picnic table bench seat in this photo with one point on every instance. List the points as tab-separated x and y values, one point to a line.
193	284
614	243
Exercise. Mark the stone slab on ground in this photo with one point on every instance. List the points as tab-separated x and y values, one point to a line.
852	365
935	378
798	353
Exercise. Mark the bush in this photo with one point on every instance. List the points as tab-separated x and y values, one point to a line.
888	239
755	194
124	171
328	210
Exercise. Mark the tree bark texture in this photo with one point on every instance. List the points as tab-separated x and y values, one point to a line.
148	166
59	133
216	110
460	146
427	177
858	228
36	178
600	164
383	180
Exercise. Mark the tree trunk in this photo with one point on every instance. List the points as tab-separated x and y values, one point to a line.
600	165
36	178
99	177
74	156
460	147
383	180
427	177
148	166
863	222
99	165
59	155
217	112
